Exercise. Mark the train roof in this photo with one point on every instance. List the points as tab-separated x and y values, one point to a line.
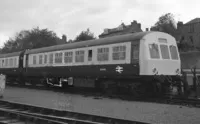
101	41
10	54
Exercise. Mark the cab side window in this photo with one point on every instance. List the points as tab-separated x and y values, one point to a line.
174	52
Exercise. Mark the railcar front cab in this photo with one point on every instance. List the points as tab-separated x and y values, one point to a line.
159	55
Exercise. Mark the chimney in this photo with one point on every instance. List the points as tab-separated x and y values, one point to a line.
64	38
139	25
179	24
133	22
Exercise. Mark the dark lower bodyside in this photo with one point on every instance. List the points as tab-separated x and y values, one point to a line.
109	71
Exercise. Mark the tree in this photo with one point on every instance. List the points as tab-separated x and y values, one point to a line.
30	39
85	35
166	23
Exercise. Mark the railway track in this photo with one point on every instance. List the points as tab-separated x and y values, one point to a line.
17	113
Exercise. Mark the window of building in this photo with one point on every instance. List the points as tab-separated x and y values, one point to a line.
154	52
119	53
58	57
45	59
79	56
174	52
191	40
164	51
89	55
102	54
40	59
51	58
34	60
191	28
68	57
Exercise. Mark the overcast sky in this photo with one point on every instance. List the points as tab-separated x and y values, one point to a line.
70	17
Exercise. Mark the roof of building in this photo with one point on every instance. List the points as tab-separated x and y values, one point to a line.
196	20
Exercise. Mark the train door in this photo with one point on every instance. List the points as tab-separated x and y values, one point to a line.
21	59
135	51
26	62
89	55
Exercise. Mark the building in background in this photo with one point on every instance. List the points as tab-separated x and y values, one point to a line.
122	29
189	33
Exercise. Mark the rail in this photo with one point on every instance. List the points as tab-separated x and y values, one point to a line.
13	112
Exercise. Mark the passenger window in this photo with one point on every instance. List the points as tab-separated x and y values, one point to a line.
58	57
11	62
89	55
34	60
102	54
40	59
45	59
79	56
15	62
119	53
174	53
68	57
164	51
3	63
154	52
51	58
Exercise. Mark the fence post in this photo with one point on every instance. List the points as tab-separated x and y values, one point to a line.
185	83
2	84
194	81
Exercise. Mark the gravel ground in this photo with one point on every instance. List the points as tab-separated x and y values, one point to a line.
131	110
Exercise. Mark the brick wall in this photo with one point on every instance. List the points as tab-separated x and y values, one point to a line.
189	33
122	29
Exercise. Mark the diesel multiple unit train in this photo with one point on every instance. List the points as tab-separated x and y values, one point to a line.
129	59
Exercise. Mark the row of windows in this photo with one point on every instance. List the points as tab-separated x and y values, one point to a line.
8	62
119	53
154	51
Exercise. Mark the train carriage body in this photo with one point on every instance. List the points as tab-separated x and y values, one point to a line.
9	64
144	53
137	56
